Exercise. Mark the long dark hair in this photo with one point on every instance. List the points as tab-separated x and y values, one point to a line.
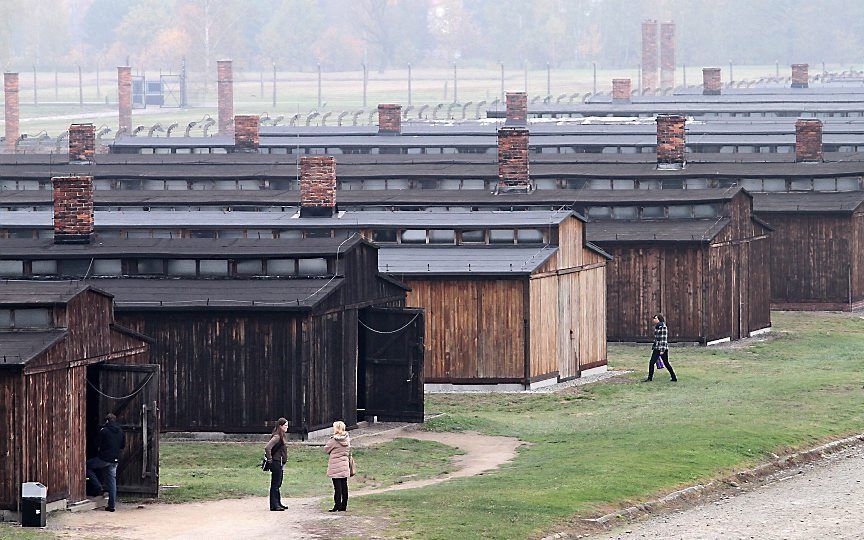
661	318
276	431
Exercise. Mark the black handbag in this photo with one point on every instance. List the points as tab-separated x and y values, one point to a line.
265	465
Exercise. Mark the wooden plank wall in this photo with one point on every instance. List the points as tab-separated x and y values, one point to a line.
811	257
331	388
643	280
11	440
474	328
568	294
857	262
568	322
224	371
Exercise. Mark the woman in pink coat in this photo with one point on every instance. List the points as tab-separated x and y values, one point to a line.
338	468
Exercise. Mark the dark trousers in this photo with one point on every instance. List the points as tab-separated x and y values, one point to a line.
276	467
655	355
101	472
340	493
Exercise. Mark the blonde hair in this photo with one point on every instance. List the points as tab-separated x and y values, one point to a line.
339	428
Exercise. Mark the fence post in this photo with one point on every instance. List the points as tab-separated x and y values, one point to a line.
319	86
526	76
731	78
365	83
80	87
684	72
409	83
455	84
548	79
274	84
503	93
594	66
261	83
35	93
98	89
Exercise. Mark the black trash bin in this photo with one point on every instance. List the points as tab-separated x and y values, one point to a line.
33	497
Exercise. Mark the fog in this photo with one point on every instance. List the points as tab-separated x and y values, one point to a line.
342	34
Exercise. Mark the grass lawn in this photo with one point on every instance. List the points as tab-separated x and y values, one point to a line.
602	446
224	470
13	530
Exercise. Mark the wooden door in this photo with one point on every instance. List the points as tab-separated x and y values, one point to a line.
131	392
392	348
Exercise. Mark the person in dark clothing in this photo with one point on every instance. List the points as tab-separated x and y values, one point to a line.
660	348
277	454
110	444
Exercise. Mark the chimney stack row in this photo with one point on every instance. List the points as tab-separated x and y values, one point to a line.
82	143
12	111
317	186
73	209
808	140
800	75
649	57
621	90
667	55
389	119
246	133
224	96
670	141
517	109
124	99
711	82
513	160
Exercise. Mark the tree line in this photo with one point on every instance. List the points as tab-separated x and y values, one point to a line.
342	34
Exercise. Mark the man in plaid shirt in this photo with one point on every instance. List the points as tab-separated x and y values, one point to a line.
660	348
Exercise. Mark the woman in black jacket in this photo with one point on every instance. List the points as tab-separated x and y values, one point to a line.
277	454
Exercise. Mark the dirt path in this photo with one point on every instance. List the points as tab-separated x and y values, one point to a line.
249	517
821	500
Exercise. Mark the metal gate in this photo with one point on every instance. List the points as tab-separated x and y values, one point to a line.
392	348
131	392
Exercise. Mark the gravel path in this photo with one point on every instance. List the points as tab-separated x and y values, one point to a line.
820	500
249	517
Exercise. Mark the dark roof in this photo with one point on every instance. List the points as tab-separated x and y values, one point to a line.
844	202
18	347
22	292
193	247
349	220
461	260
233	294
392	197
685	230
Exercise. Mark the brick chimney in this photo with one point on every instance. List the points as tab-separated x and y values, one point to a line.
73	209
225	96
82	143
389	119
800	75
667	55
517	109
124	99
513	160
711	82
246	133
808	140
10	93
317	186
670	141
621	90
649	57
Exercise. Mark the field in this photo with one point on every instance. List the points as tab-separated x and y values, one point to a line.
202	471
53	108
605	445
590	449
